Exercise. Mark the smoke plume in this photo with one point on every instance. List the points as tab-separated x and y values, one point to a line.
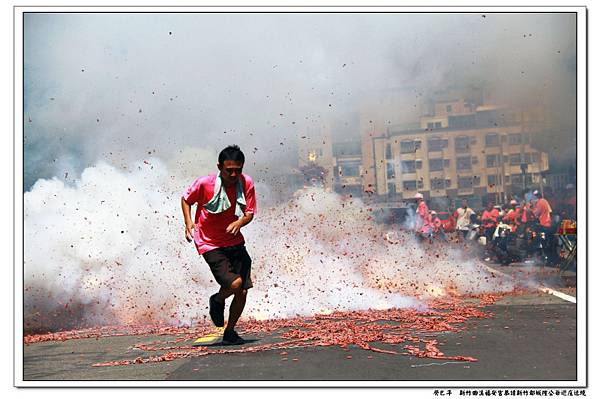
110	249
123	111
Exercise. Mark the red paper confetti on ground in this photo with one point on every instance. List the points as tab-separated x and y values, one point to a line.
407	332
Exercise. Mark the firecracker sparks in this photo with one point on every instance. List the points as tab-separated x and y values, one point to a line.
409	332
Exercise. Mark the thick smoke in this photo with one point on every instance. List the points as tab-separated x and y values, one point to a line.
118	105
111	249
117	86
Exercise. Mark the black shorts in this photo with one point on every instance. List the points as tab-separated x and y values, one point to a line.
229	263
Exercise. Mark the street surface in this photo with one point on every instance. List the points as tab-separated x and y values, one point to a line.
531	336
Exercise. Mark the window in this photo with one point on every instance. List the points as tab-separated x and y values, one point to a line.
494	180
351	169
448	108
407	146
437	125
515	138
418	164
463	163
465	182
515	159
492	140
535	157
388	151
462	143
436	164
409	185
391	188
348	148
420	184
408	166
438	184
517	180
437	144
391	173
492	161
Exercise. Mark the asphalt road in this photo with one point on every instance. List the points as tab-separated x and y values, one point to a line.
530	337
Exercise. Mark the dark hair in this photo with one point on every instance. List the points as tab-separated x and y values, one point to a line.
231	153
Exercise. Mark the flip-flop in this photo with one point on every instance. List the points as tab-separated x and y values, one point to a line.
212	338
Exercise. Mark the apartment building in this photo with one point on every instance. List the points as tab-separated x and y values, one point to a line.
347	167
459	151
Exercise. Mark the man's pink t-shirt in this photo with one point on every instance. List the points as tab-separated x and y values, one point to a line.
210	228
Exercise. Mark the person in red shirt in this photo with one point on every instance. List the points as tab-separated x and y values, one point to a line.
489	221
437	226
423	226
226	203
525	214
512	216
543	213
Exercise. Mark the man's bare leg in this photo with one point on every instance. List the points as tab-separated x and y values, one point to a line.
225	293
236	309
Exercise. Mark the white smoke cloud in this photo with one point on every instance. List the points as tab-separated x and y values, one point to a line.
105	92
116	86
111	249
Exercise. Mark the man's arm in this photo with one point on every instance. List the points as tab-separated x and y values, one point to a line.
235	227
187	217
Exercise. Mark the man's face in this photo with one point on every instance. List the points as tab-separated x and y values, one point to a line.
230	171
465	204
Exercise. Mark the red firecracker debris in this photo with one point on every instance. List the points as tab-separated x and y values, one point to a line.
407	332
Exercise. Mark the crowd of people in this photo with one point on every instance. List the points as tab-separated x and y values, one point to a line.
516	231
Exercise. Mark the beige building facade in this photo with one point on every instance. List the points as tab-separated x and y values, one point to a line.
460	151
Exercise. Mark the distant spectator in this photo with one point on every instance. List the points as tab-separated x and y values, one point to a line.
437	226
511	216
489	220
543	212
423	223
463	218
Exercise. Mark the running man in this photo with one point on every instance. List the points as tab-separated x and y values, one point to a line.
226	203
